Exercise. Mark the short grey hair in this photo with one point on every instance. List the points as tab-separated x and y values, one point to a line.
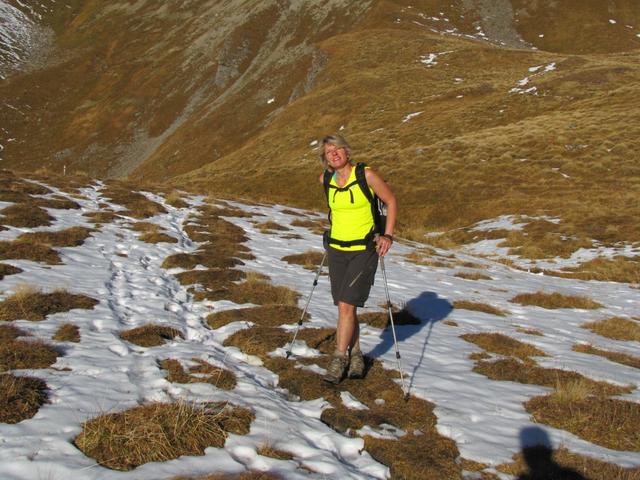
337	140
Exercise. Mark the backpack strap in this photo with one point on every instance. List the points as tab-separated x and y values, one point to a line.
326	181
362	181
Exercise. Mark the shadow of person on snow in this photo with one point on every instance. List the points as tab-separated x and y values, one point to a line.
537	452
428	308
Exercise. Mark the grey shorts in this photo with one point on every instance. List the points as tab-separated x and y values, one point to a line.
352	274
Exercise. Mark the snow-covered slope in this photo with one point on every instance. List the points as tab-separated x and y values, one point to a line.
106	373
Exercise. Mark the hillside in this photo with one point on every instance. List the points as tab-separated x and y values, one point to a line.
471	109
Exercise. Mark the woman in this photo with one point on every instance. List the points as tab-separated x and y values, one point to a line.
353	250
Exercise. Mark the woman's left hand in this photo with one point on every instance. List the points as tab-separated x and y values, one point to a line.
383	244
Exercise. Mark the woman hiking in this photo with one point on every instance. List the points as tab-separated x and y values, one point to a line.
353	247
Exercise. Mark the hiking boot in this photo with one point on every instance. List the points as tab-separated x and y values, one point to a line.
337	367
356	365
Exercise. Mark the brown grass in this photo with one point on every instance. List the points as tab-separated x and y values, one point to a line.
202	372
150	335
6	269
175	200
310	259
618	357
270	226
268	450
136	204
71	237
61	203
316	226
67	333
266	315
473	276
530	331
11	332
151	233
210	279
607	422
16	250
159	432
616	328
18	354
588	467
381	319
25	215
555	300
238	476
617	269
503	345
20	397
571	383
28	303
451	323
480	307
261	292
102	216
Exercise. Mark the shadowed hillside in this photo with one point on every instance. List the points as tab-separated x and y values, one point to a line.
471	109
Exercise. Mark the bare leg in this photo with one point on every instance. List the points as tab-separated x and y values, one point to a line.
347	332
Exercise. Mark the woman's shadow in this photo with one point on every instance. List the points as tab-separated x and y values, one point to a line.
425	310
537	453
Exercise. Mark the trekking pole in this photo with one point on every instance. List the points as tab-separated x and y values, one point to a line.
315	282
393	329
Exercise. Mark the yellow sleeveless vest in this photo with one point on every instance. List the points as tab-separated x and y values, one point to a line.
351	217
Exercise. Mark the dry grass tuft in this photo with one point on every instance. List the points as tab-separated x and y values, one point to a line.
25	215
102	216
618	357
31	304
555	300
473	276
210	279
137	205
239	476
18	354
17	250
451	323
266	315
503	345
316	226
616	328
617	269
382	320
11	332
607	422
530	331
202	372
175	200
61	203
480	307
71	237
572	384
20	397
67	333
310	259
271	227
6	269
261	292
151	233
554	465
159	432
268	450
150	335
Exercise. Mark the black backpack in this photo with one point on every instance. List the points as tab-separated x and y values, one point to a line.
378	207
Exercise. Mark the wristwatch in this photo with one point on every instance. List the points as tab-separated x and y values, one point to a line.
386	235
